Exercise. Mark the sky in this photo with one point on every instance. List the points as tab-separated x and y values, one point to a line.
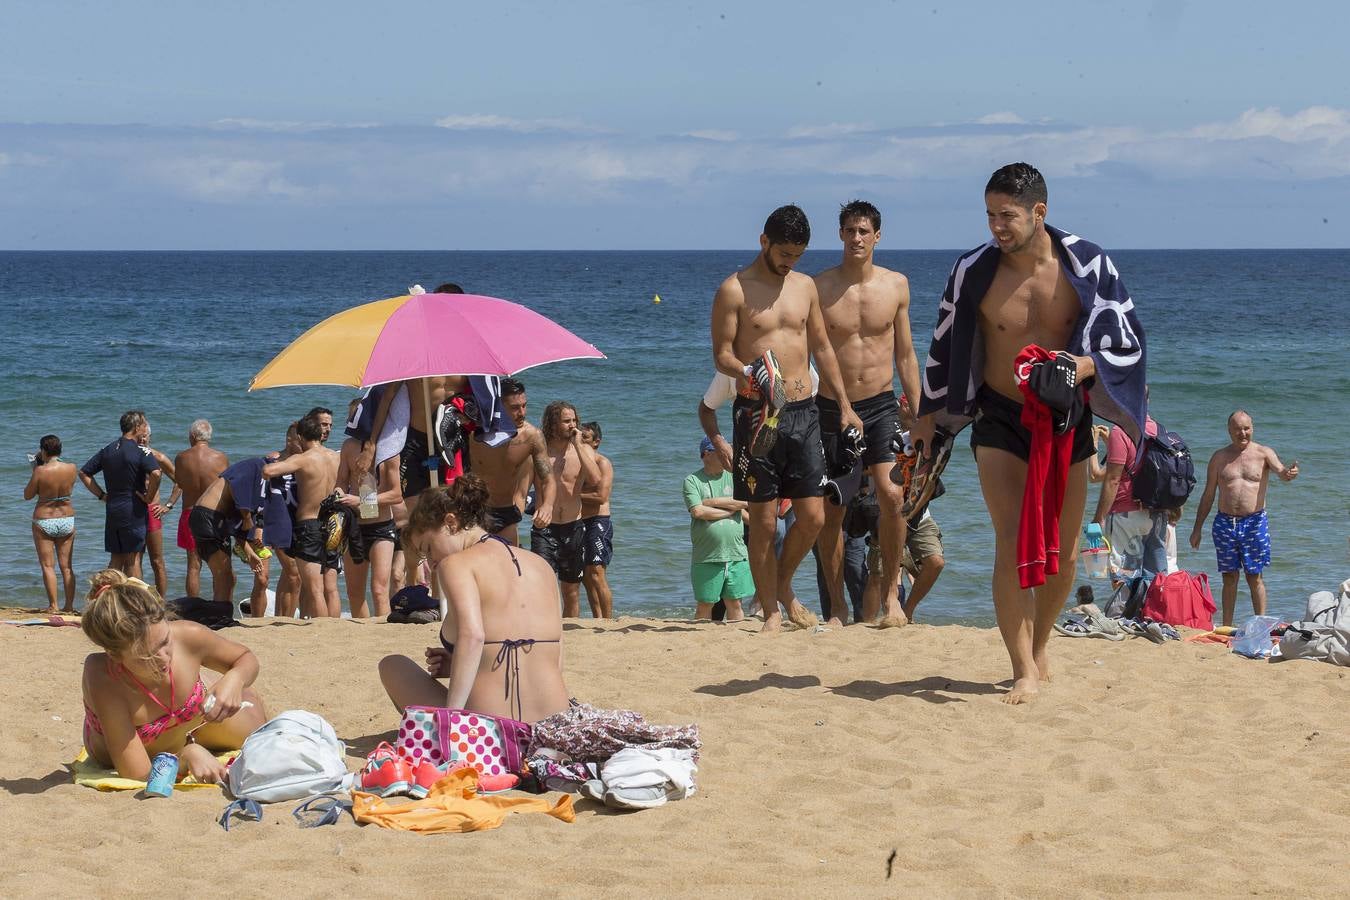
514	125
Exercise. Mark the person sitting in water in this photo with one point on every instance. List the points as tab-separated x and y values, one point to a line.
144	694
500	640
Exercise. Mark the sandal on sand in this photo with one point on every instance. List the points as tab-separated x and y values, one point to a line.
1074	628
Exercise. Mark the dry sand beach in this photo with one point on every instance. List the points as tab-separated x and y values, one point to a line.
853	763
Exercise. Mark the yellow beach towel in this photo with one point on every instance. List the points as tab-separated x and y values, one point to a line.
91	774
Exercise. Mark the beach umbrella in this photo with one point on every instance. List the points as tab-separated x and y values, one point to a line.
421	336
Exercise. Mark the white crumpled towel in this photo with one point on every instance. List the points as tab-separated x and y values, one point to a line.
636	767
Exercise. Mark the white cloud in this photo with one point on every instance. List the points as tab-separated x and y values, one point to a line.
1001	118
282	126
479	122
227	180
831	130
713	134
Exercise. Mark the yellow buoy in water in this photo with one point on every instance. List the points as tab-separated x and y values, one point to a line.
656	298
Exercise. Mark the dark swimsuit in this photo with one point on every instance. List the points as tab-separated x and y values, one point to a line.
509	655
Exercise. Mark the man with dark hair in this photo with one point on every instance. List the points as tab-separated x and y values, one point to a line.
509	469
563	540
325	419
315	471
866	313
768	315
598	528
132	477
1029	322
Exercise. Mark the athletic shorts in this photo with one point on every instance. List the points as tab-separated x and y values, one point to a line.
880	417
500	517
1242	542
414	476
794	468
563	547
599	540
185	541
998	424
308	542
922	540
366	535
210	532
715	581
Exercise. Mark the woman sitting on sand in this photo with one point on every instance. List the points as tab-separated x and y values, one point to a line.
500	640
145	695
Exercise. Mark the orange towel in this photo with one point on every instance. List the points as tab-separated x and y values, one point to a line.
453	805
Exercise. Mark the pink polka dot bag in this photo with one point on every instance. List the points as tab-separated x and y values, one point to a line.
492	745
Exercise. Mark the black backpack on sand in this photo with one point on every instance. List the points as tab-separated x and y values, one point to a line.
1166	474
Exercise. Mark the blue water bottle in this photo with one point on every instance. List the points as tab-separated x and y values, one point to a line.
163	773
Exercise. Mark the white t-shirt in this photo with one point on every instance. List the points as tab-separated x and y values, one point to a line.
722	388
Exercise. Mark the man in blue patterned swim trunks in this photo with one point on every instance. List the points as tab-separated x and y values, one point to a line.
1241	534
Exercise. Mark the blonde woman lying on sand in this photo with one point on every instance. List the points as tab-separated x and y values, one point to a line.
144	694
500	640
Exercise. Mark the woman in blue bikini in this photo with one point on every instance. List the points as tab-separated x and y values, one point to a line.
53	518
500	640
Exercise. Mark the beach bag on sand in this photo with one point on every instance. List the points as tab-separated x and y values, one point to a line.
295	755
1181	598
1324	631
492	745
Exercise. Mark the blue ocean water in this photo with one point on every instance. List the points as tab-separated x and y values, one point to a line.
89	335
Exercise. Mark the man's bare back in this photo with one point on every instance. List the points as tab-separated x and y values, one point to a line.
195	468
315	477
436	390
1037	306
860	319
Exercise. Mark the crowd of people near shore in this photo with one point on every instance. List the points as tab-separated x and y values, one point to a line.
1036	334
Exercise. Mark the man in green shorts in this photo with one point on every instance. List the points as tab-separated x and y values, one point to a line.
719	566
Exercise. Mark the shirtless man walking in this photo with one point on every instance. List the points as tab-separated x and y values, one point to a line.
866	313
768	307
508	469
315	471
1031	284
599	528
1241	533
563	541
194	471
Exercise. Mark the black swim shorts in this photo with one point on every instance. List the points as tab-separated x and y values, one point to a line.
563	547
998	424
308	541
880	417
413	474
366	535
599	540
500	517
794	468
211	530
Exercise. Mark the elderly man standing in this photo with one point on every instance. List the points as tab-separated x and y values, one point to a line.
1239	473
196	467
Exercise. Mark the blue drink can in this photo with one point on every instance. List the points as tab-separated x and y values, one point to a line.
163	773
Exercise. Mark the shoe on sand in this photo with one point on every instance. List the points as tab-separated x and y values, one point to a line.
593	790
637	797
